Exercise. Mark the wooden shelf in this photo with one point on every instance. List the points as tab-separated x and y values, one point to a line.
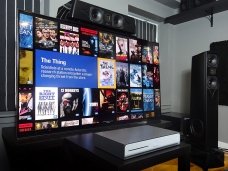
198	12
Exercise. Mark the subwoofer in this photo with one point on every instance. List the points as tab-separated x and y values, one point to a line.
203	124
93	14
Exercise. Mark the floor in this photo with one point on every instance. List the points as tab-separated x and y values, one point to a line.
172	166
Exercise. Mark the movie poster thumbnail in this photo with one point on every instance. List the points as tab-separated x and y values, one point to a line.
89	121
25	127
106	73
157	99
69	42
90	102
121	49
25	31
26	108
122	100
88	42
122	74
136	115
136	100
122	117
135	54
147	55
156	55
46	34
106	45
70	105
156	77
107	105
147	75
46	104
70	123
149	114
46	125
25	66
135	75
148	99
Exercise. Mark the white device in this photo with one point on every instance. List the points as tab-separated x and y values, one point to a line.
129	142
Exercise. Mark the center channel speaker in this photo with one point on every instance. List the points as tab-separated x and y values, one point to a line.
204	101
90	13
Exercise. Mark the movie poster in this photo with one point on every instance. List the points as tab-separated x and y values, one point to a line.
121	49
148	99
26	109
136	100
88	42
149	114
122	117
46	104
156	77
135	75
147	76
25	67
147	55
106	45
136	116
70	105
89	121
25	31
46	34
106	73
107	105
122	100
90	102
122	74
155	55
70	123
46	125
135	55
69	39
157	101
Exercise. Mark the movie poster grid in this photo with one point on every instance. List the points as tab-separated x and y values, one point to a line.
106	45
69	39
25	31
119	66
46	36
88	42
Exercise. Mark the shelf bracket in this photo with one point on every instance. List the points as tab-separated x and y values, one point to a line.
210	12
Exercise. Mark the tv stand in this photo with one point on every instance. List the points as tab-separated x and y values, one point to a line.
208	9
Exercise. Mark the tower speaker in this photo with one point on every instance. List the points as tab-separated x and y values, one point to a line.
204	101
90	13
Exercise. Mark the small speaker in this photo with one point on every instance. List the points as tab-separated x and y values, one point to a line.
204	101
93	14
186	5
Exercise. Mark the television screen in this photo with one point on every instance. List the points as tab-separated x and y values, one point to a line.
74	76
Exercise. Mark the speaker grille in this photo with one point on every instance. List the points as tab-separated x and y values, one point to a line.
96	15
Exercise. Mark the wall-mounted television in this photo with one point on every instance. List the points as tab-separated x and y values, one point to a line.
75	76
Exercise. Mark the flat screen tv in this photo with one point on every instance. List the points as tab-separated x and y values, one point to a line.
75	76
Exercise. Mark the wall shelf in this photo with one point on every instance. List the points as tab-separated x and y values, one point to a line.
201	11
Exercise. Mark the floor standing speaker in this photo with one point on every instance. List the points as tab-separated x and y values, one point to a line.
204	101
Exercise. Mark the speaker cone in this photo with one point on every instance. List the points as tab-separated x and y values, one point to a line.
96	15
212	60
212	82
117	21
